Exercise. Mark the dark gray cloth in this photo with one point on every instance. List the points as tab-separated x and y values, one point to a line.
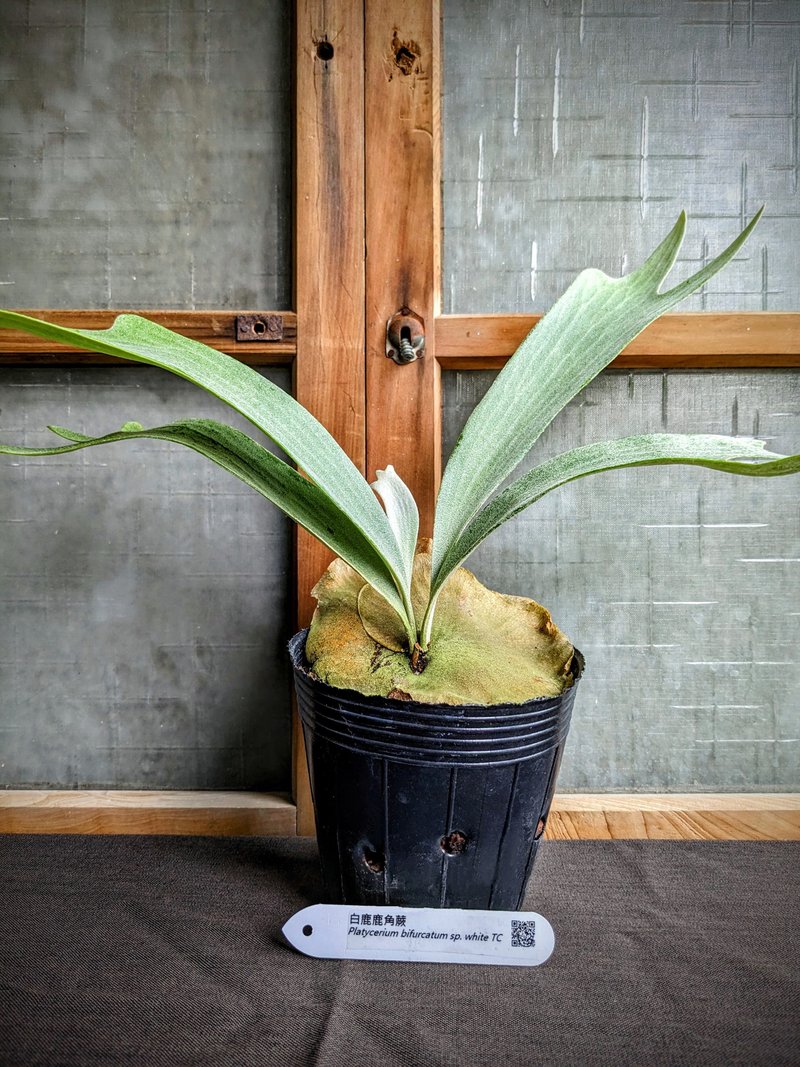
164	950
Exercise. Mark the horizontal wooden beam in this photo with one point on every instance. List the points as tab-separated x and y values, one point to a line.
68	811
692	341
574	816
673	816
213	328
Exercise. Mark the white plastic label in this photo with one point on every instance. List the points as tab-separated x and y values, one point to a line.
427	935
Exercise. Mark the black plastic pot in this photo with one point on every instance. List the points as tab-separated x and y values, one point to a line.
428	805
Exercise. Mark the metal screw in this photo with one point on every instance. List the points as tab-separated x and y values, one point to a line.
405	339
406	353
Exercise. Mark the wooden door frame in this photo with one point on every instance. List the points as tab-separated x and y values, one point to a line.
367	243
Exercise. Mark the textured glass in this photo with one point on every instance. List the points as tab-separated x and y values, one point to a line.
145	154
144	597
576	130
679	585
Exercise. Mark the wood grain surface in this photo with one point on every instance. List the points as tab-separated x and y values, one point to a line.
695	340
329	261
403	231
574	816
74	811
688	816
214	328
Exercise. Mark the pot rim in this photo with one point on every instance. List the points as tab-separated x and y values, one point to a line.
297	645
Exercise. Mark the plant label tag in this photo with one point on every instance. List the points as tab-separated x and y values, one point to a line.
427	935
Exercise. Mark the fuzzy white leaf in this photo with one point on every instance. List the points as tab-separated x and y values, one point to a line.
401	511
731	454
580	335
275	413
270	476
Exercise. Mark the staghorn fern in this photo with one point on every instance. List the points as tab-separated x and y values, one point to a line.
582	333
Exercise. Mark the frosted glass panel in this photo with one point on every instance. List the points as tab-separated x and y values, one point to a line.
144	597
681	586
575	131
145	154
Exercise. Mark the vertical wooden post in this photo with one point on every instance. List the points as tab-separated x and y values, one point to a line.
402	76
329	261
387	54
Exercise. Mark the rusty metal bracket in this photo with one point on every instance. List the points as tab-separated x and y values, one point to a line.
405	337
259	327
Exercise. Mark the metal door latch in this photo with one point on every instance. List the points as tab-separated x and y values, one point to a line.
405	337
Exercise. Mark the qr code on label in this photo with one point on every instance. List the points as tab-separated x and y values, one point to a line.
523	933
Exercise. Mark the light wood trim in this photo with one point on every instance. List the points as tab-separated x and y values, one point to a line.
35	811
403	233
574	816
673	816
213	328
329	263
692	340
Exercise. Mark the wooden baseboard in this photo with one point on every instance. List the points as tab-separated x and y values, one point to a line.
574	816
67	811
676	816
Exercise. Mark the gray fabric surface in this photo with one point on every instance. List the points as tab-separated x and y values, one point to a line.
163	950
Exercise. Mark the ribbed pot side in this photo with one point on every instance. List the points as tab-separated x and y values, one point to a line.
428	805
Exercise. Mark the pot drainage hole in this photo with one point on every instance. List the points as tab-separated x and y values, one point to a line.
454	843
374	860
